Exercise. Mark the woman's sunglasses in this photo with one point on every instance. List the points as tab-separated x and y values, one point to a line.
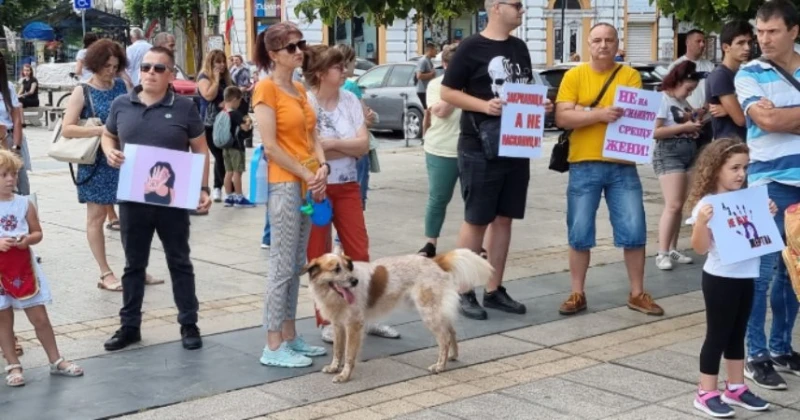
292	48
158	68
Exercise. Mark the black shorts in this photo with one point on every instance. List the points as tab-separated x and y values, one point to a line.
492	188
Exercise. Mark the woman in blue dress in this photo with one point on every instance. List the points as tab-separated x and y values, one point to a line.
97	183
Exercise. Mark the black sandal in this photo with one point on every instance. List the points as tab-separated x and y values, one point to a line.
428	251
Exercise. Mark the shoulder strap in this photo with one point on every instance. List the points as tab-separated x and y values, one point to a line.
605	86
88	94
789	78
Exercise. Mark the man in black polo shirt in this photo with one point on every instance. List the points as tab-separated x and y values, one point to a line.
153	115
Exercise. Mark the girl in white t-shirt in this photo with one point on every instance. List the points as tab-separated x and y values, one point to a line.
727	288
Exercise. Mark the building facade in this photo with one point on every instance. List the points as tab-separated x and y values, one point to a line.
554	30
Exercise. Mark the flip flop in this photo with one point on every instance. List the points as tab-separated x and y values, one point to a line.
151	281
115	287
114	225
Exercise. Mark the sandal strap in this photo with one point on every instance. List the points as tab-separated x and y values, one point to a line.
57	362
9	368
106	274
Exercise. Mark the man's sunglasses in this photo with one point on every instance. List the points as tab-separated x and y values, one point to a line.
517	6
292	48
158	68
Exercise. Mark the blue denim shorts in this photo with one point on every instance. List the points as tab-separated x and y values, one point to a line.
620	184
674	156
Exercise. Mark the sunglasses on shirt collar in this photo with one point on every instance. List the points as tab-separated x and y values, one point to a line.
158	68
292	48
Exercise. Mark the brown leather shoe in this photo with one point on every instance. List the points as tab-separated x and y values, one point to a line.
575	303
645	304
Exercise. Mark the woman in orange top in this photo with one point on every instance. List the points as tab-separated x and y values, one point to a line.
296	163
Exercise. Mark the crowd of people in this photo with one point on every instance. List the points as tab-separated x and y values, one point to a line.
718	129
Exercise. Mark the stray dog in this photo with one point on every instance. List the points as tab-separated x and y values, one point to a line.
350	294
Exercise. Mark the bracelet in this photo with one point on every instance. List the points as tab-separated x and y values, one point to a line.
328	165
205	190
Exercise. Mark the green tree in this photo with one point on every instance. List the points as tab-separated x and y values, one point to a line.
14	12
710	14
186	14
383	12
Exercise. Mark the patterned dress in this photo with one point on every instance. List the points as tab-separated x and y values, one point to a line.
13	223
98	182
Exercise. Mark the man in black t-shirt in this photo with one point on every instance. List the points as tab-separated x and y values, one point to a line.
728	120
494	191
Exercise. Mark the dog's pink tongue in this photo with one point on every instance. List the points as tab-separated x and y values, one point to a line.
348	295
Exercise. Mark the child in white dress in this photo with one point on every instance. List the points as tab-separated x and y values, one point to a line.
22	282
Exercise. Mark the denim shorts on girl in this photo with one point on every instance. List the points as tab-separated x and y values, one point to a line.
674	155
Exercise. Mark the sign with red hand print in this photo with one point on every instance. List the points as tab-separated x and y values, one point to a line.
743	226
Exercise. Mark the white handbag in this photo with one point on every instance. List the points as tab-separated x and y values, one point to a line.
81	150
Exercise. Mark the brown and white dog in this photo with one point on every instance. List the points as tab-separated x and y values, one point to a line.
350	294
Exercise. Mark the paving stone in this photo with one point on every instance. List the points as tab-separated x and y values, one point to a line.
561	366
578	400
625	381
665	363
498	407
688	347
534	358
571	329
429	414
319	386
429	399
460	391
367	398
781	414
299	413
471	351
232	405
523	375
654	412
395	408
492	383
332	407
361	414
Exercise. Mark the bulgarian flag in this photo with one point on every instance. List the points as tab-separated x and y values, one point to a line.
150	28
229	21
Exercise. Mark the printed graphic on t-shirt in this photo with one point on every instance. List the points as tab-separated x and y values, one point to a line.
502	70
8	223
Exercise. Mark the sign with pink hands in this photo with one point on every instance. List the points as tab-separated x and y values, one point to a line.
743	226
160	177
630	138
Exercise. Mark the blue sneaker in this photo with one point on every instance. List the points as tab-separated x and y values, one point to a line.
300	346
284	357
230	200
711	403
243	202
742	397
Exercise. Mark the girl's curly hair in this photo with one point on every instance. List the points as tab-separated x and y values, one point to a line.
708	165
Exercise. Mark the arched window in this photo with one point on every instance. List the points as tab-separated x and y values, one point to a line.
571	4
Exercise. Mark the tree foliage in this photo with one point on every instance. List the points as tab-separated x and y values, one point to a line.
14	12
384	12
186	14
710	15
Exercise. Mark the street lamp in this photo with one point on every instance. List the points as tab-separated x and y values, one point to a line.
118	6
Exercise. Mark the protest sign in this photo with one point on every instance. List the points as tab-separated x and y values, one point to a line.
631	137
742	225
522	122
160	177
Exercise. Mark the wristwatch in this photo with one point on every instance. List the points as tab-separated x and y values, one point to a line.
328	165
205	190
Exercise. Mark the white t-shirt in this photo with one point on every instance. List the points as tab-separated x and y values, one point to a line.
341	123
87	74
698	98
747	269
5	114
674	111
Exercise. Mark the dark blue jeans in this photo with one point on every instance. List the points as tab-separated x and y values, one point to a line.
782	298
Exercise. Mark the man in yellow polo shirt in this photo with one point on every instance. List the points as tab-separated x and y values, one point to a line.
591	175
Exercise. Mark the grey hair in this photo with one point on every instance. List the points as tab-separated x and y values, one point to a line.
162	38
487	4
137	33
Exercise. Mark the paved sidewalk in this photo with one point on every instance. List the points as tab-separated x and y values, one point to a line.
230	271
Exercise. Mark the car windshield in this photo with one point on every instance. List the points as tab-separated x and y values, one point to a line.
553	77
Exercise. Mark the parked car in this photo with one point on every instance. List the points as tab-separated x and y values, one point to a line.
183	84
362	65
384	87
650	73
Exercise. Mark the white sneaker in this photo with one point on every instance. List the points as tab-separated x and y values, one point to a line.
264	246
679	258
216	195
663	262
382	330
327	334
